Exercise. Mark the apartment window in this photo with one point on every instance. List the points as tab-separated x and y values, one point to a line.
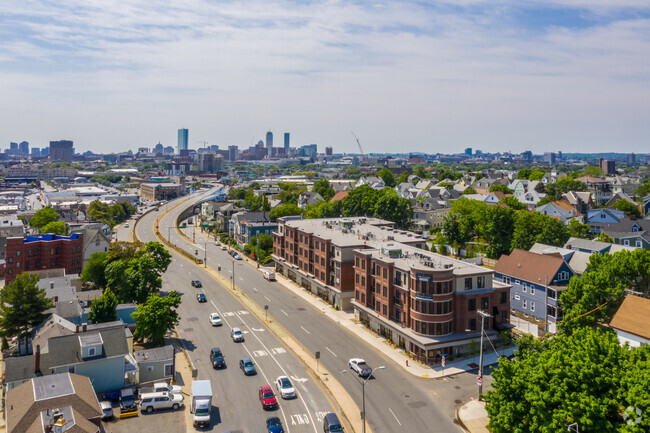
485	301
18	253
29	253
468	284
51	251
506	279
17	264
532	306
97	242
377	305
10	260
471	325
356	294
524	287
480	282
169	369
57	250
363	298
552	312
532	289
363	264
626	242
377	287
552	294
357	278
356	260
385	291
503	297
27	265
385	310
385	273
563	276
638	244
524	304
517	282
504	316
517	297
363	280
471	305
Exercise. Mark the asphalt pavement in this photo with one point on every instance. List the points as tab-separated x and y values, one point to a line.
395	401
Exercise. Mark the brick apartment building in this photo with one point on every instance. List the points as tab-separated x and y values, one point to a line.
424	302
35	253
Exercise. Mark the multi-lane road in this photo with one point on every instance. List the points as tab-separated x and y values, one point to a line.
395	400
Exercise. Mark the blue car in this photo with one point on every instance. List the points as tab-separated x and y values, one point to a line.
274	425
201	298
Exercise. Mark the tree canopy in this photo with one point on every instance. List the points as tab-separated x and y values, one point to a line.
387	176
500	187
157	315
22	306
563	185
95	270
56	227
324	188
284	210
43	217
628	208
104	308
110	215
585	378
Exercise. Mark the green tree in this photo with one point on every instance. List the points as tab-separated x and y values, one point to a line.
22	306
156	316
43	217
536	174
104	308
56	227
404	177
580	378
554	232
643	190
324	188
500	187
360	201
606	281
545	200
95	270
499	227
284	210
512	203
524	173
578	230
563	185
422	173
627	207
592	170
531	227
469	191
387	176
391	207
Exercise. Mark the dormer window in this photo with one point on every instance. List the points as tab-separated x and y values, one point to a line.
92	351
635	228
602	216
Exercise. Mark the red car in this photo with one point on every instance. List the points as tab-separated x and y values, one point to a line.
267	397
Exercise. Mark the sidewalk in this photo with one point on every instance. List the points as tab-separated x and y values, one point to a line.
473	416
183	377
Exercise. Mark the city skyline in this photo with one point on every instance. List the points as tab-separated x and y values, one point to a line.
566	75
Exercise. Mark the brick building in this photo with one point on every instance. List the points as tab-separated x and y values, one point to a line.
423	302
35	253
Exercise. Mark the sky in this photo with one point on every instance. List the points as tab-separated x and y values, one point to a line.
404	76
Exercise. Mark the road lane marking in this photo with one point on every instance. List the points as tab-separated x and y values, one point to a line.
393	413
254	290
328	349
267	299
284	312
305	330
241	278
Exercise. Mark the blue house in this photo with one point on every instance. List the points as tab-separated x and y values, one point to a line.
537	281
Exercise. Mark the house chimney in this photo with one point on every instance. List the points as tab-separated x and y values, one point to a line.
37	359
84	328
76	330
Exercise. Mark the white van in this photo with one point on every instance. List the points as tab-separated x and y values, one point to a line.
270	276
160	400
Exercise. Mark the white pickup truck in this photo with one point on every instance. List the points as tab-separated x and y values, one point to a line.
360	367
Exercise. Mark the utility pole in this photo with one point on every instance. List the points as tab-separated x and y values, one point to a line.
483	315
546	306
205	255
233	275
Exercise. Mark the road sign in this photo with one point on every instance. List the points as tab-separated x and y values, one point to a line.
479	381
443	361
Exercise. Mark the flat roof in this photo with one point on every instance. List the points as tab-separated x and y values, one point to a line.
52	386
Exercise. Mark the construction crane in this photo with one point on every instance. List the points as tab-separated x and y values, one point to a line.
359	144
204	143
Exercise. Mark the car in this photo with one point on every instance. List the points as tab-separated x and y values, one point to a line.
285	387
270	276
107	409
360	367
267	397
217	243
126	224
160	400
237	257
274	425
331	423
215	319
201	297
165	387
237	335
197	284
216	358
223	248
247	366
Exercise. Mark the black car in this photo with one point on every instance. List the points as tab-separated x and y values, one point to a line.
197	284
247	366
201	297
216	357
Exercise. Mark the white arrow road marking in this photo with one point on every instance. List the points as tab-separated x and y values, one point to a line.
299	379
258	330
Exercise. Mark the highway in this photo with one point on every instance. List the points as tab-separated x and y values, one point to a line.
236	395
395	400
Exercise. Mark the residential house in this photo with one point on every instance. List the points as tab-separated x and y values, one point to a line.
629	232
308	198
94	241
424	184
43	403
577	260
339	196
430	213
245	225
489	198
646	205
483	186
582	201
631	321
598	218
223	214
625	184
373	182
537	281
600	188
623	196
594	247
155	364
528	192
561	210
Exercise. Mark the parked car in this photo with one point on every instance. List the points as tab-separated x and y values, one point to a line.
217	243
107	409
216	358
197	284
164	387
215	319
223	248
201	297
360	367
160	400
285	387
267	397
274	425
270	276
237	335
247	366
237	257
331	423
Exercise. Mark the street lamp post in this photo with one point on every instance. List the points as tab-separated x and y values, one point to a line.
363	391
205	255
483	315
233	275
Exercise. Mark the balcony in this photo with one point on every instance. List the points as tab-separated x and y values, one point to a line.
397	301
423	296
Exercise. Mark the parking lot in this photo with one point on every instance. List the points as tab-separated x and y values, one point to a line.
167	421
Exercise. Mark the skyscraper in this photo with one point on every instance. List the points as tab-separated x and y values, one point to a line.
23	148
269	143
287	138
183	135
61	151
328	151
233	153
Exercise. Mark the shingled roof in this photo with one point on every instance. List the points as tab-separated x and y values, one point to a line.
529	266
632	316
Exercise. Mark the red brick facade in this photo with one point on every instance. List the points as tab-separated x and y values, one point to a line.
35	253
